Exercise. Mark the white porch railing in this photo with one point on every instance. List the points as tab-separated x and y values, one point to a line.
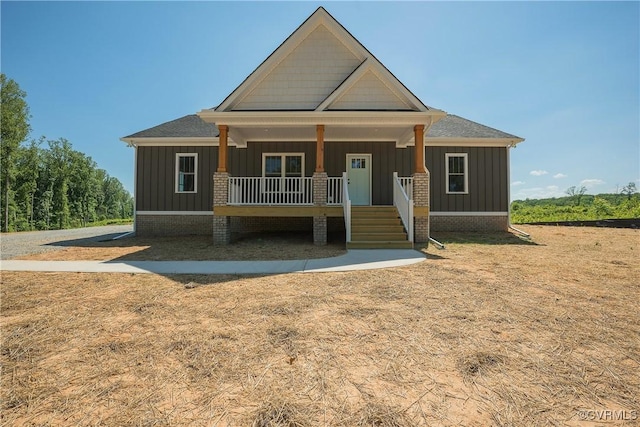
270	191
407	184
334	190
346	206
403	203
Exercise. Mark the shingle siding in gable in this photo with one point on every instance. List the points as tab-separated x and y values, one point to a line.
369	93
305	77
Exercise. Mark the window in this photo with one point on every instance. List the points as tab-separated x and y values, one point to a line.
282	165
186	172
275	165
456	171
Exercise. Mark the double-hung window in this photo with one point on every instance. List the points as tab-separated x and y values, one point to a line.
186	172
456	166
282	165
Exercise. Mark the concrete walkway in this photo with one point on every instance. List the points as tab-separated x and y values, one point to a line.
355	259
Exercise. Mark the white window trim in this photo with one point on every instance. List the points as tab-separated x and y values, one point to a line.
282	155
195	173
466	172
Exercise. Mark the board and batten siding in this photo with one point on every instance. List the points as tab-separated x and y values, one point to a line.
487	169
385	160
248	161
156	180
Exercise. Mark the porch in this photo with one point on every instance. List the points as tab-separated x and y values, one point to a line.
322	197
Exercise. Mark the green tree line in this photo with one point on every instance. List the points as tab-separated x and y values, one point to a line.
46	184
578	206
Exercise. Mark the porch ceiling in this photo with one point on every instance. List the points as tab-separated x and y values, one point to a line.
400	134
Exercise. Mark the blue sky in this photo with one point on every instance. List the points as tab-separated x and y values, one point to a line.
562	75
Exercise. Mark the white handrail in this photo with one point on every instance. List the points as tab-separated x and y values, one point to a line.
346	205
404	204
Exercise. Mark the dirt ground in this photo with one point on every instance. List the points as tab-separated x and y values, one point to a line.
492	330
253	246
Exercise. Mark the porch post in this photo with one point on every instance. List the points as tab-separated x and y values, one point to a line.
319	148
420	190
222	149
320	190
418	132
221	223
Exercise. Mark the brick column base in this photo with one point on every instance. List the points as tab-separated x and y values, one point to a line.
221	230
221	224
320	230
421	200
320	199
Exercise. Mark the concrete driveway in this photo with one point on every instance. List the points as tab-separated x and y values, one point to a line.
32	242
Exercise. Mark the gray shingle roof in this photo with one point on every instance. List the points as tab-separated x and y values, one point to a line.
453	126
184	127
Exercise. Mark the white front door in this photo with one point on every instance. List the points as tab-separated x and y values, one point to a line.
359	178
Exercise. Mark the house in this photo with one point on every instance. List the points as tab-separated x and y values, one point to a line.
322	136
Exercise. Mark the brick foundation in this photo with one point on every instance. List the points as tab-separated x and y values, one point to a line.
469	223
173	225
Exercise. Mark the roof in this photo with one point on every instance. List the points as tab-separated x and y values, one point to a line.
452	126
192	126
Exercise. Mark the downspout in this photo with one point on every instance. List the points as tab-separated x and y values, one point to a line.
522	233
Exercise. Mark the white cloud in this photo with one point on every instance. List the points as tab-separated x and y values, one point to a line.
589	183
537	193
517	183
538	172
560	175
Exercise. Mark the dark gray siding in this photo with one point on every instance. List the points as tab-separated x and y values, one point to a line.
385	159
248	161
155	184
487	180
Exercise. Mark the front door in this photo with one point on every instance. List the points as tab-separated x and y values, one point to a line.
359	178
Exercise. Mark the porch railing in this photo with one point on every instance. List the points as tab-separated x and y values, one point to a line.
407	184
404	204
346	206
270	191
334	190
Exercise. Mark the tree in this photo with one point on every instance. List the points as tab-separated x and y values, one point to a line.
14	128
630	189
576	193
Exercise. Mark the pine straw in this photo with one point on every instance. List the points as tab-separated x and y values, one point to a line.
489	332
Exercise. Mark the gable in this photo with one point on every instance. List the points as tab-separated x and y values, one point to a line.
370	93
305	77
308	70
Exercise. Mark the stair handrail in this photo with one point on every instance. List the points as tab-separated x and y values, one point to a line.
404	204
346	205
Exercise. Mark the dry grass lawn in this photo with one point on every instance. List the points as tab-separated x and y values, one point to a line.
490	331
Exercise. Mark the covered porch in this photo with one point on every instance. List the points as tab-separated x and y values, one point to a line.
321	170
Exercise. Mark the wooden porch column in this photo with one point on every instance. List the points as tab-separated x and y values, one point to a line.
319	148
418	131
222	149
